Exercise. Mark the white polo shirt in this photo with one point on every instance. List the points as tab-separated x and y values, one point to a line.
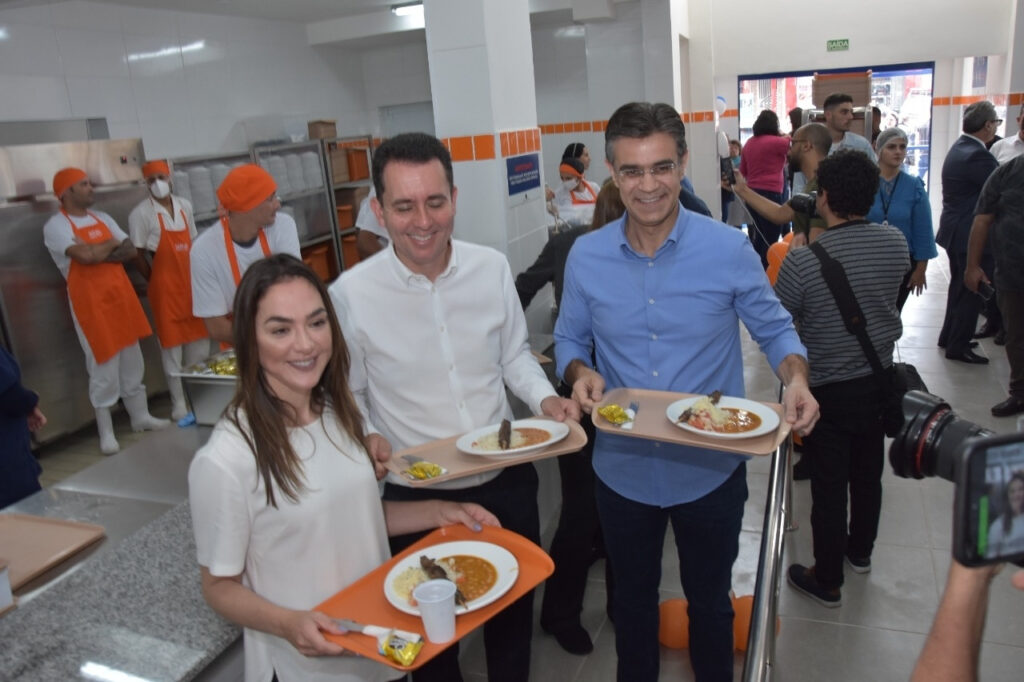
58	235
144	225
213	284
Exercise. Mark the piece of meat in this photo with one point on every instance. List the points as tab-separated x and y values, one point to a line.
435	572
505	434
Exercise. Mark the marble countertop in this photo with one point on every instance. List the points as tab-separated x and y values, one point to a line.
130	606
135	609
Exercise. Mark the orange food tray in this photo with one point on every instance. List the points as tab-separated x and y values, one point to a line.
34	544
364	601
459	464
651	423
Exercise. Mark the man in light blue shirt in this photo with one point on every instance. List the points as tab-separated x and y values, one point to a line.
657	296
838	117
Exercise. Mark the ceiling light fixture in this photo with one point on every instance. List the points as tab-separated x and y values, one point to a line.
409	9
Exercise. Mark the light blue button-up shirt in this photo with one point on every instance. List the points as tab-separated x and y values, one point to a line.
668	323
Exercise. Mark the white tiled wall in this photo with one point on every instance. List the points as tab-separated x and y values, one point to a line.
184	82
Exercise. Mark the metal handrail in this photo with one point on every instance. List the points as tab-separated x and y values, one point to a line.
761	642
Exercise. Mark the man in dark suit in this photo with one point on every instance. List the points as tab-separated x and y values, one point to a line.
967	166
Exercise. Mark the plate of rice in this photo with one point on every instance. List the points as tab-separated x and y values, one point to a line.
730	418
527	435
405	575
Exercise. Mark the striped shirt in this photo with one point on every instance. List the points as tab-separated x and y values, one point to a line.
875	258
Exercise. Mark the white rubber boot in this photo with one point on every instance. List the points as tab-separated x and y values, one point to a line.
108	443
179	407
138	412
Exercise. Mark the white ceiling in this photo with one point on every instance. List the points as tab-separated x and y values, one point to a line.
300	11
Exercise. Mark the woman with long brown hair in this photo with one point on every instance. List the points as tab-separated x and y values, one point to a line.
285	504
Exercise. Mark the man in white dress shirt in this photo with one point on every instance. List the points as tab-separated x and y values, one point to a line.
1010	147
435	333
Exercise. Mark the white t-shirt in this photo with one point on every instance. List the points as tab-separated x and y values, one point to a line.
576	214
854	141
367	220
213	285
58	235
1008	149
144	226
432	359
298	554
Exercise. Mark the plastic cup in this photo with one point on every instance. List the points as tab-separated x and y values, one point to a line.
436	602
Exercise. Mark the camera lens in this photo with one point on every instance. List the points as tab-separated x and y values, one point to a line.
931	438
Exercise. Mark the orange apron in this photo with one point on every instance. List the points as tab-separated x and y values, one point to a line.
591	200
170	288
103	300
236	272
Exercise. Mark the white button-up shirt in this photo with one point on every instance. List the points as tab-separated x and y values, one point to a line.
431	359
1008	148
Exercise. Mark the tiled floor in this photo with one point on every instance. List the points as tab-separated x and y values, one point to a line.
886	613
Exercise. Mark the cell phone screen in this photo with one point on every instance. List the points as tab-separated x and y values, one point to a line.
991	502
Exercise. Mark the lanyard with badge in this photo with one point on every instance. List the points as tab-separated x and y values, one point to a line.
887	204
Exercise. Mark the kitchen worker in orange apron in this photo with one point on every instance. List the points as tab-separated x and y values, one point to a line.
251	229
162	229
576	197
88	248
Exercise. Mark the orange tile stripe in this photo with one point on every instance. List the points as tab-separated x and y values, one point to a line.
486	147
1011	99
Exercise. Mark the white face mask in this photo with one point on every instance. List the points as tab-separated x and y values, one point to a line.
570	185
159	189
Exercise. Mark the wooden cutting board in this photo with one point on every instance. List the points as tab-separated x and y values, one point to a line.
33	544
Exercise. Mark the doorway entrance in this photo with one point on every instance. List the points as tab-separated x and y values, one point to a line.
902	93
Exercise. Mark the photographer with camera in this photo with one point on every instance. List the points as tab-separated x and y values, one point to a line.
866	263
953	648
808	146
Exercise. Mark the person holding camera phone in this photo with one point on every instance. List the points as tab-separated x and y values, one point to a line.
808	146
846	448
1000	210
953	648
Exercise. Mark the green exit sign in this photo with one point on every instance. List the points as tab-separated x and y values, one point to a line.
837	45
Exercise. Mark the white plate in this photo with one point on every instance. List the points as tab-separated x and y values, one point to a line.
769	417
558	431
503	560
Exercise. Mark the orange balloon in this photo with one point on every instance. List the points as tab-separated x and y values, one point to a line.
674	624
743	607
776	254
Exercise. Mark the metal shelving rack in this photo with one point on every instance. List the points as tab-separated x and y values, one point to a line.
329	145
312	207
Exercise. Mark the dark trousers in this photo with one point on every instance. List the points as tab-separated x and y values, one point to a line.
846	449
707	541
1011	303
763	233
962	306
578	534
512	497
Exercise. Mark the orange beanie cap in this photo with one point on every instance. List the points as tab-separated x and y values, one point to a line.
151	168
245	188
66	177
572	167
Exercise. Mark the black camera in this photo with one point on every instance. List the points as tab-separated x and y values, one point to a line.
988	471
805	203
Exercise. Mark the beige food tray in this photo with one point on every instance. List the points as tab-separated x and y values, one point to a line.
33	544
651	423
460	465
